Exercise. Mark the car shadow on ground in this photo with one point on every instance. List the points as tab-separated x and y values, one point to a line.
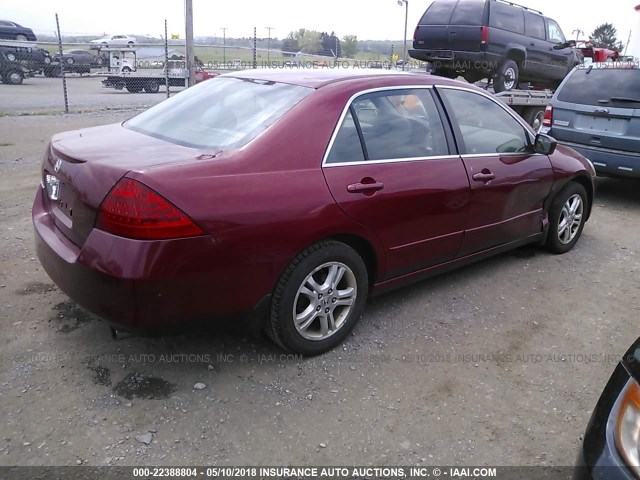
619	192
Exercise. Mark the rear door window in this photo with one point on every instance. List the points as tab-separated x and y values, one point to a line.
506	17
602	87
534	25
395	125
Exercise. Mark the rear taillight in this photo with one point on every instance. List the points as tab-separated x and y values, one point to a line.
133	210
548	116
484	35
415	33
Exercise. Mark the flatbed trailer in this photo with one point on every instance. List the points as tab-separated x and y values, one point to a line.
529	104
135	82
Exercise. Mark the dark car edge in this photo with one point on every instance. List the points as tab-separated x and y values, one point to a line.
609	450
14	31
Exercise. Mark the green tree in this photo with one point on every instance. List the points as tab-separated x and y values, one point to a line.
291	44
604	36
310	42
349	45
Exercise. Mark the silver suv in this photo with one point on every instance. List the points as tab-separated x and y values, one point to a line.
596	111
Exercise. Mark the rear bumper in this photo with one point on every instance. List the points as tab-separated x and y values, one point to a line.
137	284
609	162
458	61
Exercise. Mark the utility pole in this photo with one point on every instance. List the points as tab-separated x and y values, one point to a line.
188	18
578	32
166	58
406	19
224	45
269	44
64	79
255	47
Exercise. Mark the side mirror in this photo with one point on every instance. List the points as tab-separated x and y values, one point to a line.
545	144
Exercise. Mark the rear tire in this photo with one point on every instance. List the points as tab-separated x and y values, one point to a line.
134	88
534	116
152	86
567	216
310	312
21	38
506	78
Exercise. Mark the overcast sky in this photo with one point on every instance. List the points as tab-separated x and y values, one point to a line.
368	19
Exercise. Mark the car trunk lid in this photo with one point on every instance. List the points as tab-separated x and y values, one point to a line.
82	166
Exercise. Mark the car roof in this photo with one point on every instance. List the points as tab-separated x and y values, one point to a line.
319	77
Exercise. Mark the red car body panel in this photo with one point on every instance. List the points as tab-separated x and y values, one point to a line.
261	204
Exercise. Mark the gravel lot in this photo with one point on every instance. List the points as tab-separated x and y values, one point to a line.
45	95
499	363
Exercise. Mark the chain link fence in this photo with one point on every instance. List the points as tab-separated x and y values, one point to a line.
120	72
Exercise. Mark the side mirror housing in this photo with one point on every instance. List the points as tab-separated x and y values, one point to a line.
545	144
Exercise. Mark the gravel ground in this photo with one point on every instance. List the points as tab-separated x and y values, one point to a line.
45	96
499	363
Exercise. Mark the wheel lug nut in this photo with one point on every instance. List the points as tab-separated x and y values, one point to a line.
319	308
330	291
326	310
320	296
333	300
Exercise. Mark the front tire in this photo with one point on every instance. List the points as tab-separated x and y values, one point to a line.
506	77
567	216
319	298
13	77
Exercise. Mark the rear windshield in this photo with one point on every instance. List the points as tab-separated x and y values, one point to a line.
468	12
439	13
219	113
602	86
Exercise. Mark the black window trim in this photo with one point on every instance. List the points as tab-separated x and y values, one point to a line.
348	107
462	149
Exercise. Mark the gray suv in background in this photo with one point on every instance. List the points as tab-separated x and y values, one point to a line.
596	111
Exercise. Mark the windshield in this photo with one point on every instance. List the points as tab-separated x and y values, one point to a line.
602	86
219	113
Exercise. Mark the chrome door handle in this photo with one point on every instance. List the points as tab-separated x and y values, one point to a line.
365	187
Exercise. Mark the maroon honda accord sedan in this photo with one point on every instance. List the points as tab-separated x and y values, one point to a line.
293	196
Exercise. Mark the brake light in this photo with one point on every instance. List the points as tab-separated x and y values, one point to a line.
484	35
548	116
133	210
415	33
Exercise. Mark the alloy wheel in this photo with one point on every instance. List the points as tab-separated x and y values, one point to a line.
570	219
324	301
